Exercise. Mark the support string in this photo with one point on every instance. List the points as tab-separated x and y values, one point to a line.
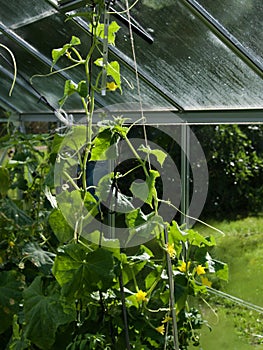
137	79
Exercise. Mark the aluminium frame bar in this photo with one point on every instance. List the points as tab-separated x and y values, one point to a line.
223	34
185	174
165	116
8	105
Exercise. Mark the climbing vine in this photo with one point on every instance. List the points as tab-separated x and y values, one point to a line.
67	285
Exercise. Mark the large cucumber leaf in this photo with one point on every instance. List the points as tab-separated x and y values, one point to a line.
45	311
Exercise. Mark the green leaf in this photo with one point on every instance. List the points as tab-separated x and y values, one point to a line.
44	312
72	206
81	272
99	30
181	291
143	227
75	141
75	41
69	88
221	270
113	29
113	70
92	206
82	89
176	235
104	146
159	154
18	341
143	254
196	289
60	226
4	181
129	271
56	143
152	277
11	285
39	257
198	240
150	180
112	196
11	210
58	53
135	218
99	62
140	190
78	212
112	245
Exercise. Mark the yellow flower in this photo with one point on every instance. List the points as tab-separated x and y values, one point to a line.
160	329
200	270
141	296
184	267
112	86
170	250
11	244
167	319
205	281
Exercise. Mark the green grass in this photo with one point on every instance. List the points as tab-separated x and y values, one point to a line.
236	327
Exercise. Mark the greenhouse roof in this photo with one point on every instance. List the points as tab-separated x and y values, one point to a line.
201	60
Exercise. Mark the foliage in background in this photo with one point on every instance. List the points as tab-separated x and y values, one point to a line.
235	161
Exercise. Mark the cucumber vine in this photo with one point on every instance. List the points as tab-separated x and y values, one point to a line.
81	288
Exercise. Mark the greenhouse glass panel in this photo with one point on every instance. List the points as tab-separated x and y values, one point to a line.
15	14
243	19
188	66
190	61
37	30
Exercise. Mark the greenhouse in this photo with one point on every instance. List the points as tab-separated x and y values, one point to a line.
131	167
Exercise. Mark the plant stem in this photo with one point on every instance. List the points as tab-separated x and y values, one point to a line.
124	313
136	155
171	290
191	217
134	280
15	67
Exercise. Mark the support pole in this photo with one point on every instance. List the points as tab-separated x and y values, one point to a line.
185	173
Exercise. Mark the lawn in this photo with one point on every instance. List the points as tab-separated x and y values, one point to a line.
235	327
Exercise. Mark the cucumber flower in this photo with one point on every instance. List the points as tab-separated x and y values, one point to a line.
170	250
141	296
205	281
112	86
160	329
200	270
184	267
